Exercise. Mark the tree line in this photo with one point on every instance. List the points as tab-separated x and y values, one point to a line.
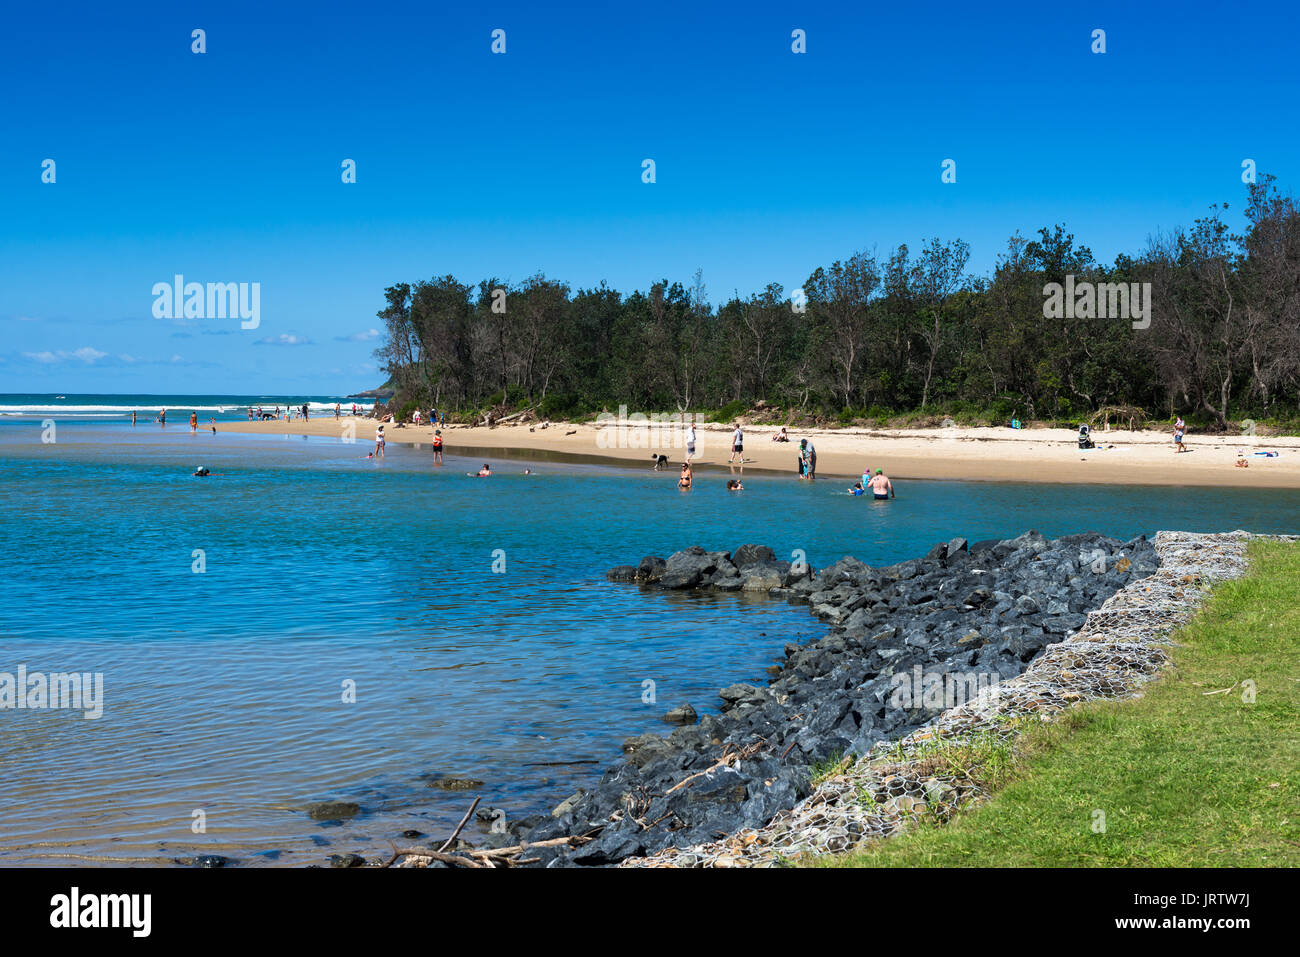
873	336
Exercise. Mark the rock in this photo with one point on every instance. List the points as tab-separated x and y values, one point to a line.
761	576
347	860
452	782
687	578
621	573
751	555
568	804
333	811
411	834
651	569
743	694
1026	605
683	714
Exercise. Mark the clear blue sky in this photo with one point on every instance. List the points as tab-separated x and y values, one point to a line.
226	166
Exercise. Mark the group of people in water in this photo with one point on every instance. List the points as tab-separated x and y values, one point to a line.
877	483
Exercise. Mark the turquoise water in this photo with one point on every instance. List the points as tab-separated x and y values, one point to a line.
224	689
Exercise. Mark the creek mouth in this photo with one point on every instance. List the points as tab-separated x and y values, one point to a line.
905	643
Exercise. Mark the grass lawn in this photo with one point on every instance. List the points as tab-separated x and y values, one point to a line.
1183	778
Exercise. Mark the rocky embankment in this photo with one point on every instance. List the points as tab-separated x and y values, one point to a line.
905	643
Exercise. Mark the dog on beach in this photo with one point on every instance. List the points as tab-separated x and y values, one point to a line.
661	461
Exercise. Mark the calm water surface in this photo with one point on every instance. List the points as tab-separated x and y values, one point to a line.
471	615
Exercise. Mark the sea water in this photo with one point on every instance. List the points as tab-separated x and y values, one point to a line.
308	624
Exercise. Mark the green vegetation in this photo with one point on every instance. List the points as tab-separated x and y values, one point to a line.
832	766
909	338
1192	774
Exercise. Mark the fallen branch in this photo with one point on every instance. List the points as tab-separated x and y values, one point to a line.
723	762
459	827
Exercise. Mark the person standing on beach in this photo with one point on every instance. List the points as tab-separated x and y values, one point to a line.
690	443
379	442
1180	429
437	446
162	417
737	446
881	487
194	421
133	416
808	456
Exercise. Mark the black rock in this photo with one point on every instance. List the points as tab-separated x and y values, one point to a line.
333	811
684	714
752	554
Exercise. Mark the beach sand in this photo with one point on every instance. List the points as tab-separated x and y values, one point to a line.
972	454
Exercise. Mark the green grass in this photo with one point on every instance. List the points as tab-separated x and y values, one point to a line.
1184	778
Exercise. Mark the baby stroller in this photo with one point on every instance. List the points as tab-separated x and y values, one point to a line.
1085	437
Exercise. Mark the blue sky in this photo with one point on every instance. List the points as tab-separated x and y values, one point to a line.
225	166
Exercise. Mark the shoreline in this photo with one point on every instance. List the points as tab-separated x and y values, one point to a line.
978	613
960	453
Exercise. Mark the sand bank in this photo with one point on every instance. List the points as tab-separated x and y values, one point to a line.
974	454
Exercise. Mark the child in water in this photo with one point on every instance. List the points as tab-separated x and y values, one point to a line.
857	489
733	485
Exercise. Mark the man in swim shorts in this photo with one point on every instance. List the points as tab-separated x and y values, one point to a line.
881	487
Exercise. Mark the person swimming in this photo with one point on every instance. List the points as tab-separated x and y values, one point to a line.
485	471
202	471
857	489
733	485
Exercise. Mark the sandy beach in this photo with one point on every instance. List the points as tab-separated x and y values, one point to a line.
972	454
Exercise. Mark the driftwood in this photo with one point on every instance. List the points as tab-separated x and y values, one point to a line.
459	827
726	761
491	420
489	856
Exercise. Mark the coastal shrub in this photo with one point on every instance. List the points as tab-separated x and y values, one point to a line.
729	412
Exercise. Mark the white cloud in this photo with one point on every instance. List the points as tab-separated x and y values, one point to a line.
86	354
284	339
360	336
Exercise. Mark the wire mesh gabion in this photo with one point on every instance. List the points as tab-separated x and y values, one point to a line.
936	771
